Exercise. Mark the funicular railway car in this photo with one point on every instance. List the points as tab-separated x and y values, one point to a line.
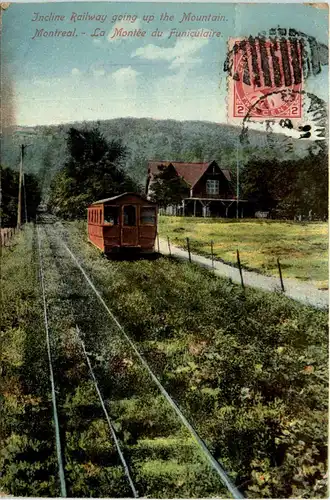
125	222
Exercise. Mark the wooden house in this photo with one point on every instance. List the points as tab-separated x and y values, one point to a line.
210	190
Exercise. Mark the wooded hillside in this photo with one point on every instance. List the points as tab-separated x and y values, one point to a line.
147	139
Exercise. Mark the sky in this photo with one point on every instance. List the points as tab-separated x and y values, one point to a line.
65	79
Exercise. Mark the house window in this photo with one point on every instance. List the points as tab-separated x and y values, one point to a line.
148	215
212	186
111	215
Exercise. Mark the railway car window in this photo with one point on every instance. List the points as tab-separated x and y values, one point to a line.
148	215
129	215
111	215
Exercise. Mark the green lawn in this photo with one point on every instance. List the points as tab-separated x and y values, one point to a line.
301	247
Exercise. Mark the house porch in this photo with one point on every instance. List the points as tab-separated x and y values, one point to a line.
210	207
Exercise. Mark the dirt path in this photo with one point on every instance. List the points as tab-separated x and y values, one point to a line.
302	292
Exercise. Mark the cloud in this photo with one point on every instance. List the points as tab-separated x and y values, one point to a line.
125	76
127	26
75	72
47	82
97	70
181	53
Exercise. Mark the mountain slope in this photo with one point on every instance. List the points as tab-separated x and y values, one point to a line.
147	139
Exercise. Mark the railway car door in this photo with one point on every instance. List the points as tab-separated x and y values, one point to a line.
129	230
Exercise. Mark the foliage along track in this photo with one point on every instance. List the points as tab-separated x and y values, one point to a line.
27	455
71	303
249	369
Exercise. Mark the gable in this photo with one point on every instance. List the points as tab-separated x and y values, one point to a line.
191	172
169	168
214	168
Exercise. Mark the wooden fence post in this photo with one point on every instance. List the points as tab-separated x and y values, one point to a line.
169	246
240	268
158	242
188	248
212	254
280	271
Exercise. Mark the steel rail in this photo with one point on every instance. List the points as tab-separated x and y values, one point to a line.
52	381
112	430
214	463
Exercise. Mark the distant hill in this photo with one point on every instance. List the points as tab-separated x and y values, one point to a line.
147	139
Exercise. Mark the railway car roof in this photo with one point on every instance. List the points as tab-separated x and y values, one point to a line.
113	198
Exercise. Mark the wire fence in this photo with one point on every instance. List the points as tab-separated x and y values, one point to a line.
190	256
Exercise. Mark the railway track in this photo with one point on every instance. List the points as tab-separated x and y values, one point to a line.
86	342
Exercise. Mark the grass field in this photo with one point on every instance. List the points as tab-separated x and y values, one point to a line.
301	247
248	369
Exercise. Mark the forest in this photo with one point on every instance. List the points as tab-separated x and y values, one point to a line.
31	197
78	163
147	139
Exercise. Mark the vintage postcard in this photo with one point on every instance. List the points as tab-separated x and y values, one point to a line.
164	250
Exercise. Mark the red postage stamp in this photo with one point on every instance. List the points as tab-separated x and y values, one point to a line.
265	79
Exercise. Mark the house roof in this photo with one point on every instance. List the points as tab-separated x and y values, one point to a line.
190	171
113	198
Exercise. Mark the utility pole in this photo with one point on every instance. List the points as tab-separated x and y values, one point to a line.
21	182
19	208
237	181
25	206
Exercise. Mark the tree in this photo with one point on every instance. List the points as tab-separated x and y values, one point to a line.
93	171
168	188
311	187
9	201
297	187
258	182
